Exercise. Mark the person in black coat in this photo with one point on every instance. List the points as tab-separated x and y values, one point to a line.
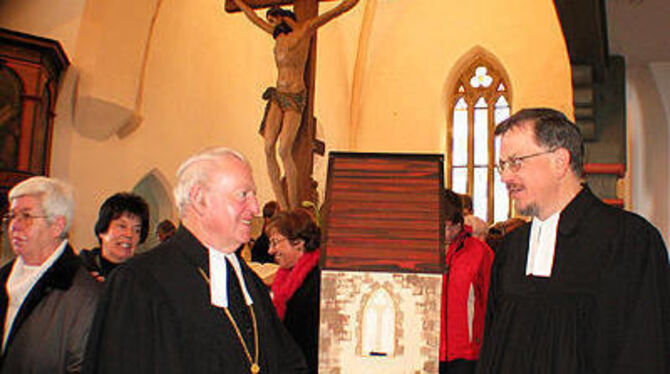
294	242
123	223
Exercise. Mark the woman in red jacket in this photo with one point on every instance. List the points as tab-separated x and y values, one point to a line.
464	290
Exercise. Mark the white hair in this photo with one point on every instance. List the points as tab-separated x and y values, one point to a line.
56	198
197	171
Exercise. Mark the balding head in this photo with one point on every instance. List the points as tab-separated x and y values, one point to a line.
198	170
216	197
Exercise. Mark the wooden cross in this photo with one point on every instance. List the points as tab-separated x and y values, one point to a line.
306	143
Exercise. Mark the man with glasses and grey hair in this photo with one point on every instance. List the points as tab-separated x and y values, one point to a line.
192	305
48	299
584	287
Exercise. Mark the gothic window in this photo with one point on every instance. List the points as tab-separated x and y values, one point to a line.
478	101
378	332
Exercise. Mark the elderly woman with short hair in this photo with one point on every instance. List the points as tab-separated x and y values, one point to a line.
123	223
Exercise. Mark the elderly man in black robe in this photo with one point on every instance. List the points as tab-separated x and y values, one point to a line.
192	305
584	287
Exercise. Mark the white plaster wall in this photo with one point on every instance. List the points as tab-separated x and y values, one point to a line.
648	124
382	70
414	46
54	19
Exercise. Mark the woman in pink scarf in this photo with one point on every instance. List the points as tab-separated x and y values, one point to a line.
294	243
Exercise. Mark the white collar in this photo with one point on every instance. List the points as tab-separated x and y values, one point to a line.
542	246
218	288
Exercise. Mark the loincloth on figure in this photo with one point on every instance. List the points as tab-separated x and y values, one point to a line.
286	101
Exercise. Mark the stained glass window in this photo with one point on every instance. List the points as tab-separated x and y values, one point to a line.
480	99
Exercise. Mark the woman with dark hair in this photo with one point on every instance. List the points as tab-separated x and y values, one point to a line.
123	223
294	242
464	290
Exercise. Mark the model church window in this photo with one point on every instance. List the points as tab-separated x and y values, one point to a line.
378	330
479	100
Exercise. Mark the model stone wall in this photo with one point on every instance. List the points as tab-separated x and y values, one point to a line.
374	322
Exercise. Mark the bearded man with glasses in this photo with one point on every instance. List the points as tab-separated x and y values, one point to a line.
584	287
49	298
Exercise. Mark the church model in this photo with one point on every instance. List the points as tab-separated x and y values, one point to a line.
382	262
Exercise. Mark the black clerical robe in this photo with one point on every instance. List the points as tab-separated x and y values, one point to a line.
155	317
604	309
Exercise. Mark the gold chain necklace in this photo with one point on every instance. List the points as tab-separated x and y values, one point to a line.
255	369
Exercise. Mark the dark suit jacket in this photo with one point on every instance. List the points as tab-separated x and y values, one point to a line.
155	317
50	331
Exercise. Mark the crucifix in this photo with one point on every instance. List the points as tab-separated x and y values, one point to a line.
288	118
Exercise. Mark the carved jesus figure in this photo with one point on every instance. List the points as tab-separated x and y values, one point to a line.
287	101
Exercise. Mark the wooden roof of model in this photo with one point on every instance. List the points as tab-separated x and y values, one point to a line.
384	212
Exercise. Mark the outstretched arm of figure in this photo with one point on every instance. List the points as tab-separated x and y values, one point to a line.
324	18
253	17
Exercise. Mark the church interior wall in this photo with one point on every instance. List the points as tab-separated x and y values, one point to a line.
412	59
648	104
382	75
59	20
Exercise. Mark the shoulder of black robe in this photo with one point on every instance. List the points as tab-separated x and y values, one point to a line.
631	325
155	317
510	246
634	302
134	330
633	319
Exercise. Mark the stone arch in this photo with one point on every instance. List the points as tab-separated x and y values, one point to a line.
157	191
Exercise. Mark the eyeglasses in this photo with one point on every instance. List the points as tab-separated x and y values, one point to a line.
22	217
275	242
514	163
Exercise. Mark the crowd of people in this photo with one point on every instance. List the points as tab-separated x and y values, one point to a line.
580	288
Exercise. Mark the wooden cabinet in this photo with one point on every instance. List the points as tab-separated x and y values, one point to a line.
30	71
